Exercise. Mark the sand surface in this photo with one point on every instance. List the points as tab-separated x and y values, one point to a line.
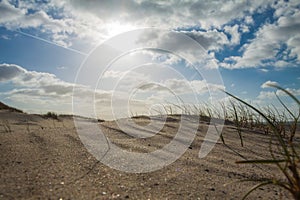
45	159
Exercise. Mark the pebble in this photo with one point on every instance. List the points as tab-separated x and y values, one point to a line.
115	195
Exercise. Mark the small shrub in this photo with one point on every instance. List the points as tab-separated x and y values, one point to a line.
51	115
100	120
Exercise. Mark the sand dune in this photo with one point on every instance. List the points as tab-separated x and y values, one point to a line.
44	158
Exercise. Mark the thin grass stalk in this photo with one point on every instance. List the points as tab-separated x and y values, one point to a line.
237	122
291	159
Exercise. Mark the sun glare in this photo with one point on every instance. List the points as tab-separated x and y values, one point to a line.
116	28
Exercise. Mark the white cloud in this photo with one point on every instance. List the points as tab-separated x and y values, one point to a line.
8	72
113	74
61	68
266	95
181	86
234	32
193	51
249	20
43	83
44	91
263	49
267	83
14	18
210	40
5	37
41	92
271	95
94	20
293	91
244	28
217	13
264	70
9	12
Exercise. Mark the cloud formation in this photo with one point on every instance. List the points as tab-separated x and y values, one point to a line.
268	83
228	31
10	71
216	25
41	91
48	83
275	44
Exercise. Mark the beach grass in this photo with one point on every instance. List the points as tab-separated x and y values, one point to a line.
288	159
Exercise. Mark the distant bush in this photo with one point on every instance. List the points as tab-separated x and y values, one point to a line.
51	115
100	120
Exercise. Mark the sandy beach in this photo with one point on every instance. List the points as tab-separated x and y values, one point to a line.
45	159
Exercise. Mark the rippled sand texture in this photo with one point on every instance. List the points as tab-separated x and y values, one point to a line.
44	158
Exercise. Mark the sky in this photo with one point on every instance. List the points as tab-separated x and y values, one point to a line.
111	58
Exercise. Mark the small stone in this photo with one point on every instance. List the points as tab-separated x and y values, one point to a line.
104	193
115	195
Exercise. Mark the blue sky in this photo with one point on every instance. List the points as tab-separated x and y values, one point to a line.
44	43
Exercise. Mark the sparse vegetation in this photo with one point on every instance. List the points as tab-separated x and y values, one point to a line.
239	120
288	159
28	127
100	120
7	128
51	115
281	126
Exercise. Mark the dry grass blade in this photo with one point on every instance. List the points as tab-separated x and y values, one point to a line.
7	127
256	187
289	163
260	161
237	122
